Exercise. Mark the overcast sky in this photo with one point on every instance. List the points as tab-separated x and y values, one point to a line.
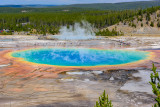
58	2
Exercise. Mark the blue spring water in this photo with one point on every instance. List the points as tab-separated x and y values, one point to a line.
80	56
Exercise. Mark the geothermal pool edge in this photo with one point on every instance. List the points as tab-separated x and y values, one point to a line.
150	56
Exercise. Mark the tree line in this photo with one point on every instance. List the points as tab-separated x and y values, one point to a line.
42	23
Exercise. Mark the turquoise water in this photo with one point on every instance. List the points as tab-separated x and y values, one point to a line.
80	57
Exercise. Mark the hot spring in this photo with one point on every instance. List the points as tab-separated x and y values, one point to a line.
80	56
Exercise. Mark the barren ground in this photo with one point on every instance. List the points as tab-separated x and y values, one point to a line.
125	87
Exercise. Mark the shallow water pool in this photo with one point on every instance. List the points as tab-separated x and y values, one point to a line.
80	56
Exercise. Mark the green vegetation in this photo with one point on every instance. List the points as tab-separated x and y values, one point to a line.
106	32
133	25
152	24
158	24
103	101
6	33
43	10
42	23
148	18
119	6
141	14
141	24
79	7
50	23
155	82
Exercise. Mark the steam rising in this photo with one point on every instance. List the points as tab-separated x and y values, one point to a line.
76	32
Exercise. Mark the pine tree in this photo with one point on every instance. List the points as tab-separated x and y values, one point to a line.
152	24
103	101
155	82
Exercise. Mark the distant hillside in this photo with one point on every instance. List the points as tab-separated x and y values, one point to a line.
77	7
118	6
32	6
41	10
142	24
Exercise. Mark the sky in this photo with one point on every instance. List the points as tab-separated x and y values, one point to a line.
59	2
